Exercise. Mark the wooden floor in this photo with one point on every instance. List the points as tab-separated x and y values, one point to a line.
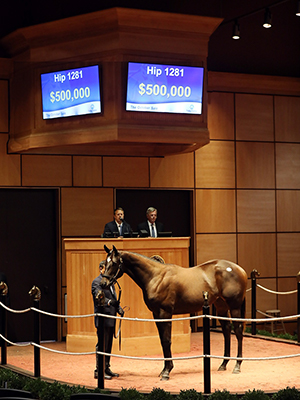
268	376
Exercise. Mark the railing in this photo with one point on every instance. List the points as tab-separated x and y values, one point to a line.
35	293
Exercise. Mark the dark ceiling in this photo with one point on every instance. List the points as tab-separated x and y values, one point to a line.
274	51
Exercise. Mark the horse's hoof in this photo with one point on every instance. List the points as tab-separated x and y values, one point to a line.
236	371
164	377
222	368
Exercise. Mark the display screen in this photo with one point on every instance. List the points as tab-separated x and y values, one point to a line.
71	92
164	88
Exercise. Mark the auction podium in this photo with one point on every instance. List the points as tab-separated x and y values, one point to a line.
83	256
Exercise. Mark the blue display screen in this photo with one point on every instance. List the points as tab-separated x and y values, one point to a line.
164	88
71	92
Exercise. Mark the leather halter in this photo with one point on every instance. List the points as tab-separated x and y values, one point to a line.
113	279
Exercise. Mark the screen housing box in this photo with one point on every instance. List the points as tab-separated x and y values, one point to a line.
110	39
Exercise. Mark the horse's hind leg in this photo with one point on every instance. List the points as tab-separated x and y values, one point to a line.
164	330
222	311
226	329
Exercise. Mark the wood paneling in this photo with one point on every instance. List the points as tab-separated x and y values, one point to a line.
4	100
212	246
87	171
256	210
125	171
258	251
254	117
288	248
215	211
255	165
172	171
287	303
9	165
85	211
46	170
288	210
220	115
264	299
288	166
247	83
287	119
215	165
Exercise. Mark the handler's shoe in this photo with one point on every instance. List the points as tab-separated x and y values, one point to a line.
108	377
109	372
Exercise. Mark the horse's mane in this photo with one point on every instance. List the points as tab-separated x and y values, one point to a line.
141	256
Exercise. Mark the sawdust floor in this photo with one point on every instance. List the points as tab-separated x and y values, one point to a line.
269	376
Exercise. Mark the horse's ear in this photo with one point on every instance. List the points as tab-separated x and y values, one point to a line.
115	251
106	249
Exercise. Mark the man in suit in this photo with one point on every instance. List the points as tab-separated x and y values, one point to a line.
118	227
152	226
109	306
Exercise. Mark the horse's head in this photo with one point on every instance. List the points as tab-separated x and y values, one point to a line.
113	267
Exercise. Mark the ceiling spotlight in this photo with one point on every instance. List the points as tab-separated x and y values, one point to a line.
236	30
268	19
298	9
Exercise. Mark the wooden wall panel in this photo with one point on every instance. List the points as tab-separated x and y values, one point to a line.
46	170
287	119
85	211
172	171
254	117
264	300
125	171
4	100
288	249
211	246
258	251
220	115
215	211
215	165
87	171
288	166
9	165
256	210
288	210
255	165
287	303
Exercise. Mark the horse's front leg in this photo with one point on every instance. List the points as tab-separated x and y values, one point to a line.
165	330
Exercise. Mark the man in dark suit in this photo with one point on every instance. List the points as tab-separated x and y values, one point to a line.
152	226
117	227
109	306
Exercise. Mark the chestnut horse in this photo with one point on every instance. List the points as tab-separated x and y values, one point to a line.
169	289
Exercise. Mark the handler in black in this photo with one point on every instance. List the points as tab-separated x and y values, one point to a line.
111	307
117	227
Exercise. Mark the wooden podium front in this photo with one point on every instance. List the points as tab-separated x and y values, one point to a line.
83	256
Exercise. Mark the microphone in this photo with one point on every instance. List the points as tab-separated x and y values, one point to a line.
122	219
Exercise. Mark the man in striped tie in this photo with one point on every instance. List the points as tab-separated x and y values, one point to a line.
152	226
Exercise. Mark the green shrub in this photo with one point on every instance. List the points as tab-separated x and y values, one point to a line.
131	394
287	394
35	386
159	394
222	395
190	394
255	395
